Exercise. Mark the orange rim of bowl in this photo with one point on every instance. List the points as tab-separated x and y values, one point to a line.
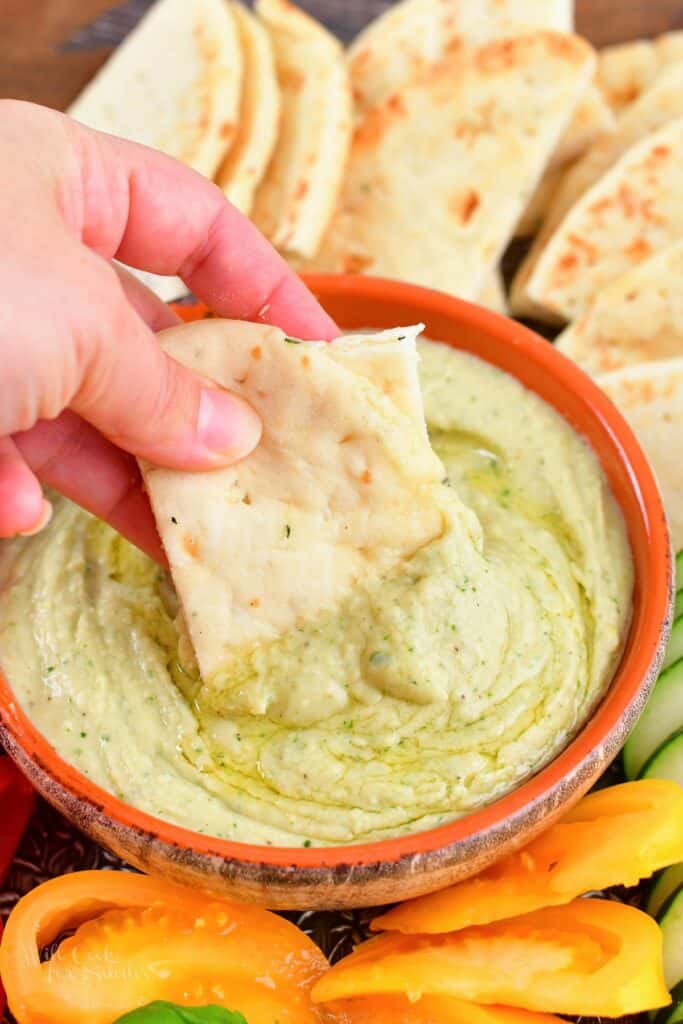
446	318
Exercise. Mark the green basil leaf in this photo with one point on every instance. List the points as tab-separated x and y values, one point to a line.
160	1012
293	341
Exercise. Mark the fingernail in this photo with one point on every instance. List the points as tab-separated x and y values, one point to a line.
43	520
227	426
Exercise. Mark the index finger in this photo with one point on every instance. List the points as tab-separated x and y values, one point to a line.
151	212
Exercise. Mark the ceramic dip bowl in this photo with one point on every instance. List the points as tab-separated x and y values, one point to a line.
408	866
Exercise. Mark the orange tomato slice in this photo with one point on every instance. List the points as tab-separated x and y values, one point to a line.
140	939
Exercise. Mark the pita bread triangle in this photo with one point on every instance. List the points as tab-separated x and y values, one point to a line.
297	195
441	171
342	487
632	211
245	164
650	396
637	318
663	102
174	83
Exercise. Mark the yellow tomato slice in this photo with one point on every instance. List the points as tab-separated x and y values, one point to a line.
590	957
428	1010
615	836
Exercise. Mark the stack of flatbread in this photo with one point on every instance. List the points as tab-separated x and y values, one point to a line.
445	130
463	115
261	102
607	262
287	123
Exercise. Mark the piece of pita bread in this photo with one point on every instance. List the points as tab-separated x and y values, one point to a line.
297	196
637	318
174	83
591	120
440	172
626	70
341	488
631	212
408	37
245	165
663	102
669	47
650	396
492	295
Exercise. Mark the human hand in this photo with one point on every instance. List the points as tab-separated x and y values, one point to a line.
85	385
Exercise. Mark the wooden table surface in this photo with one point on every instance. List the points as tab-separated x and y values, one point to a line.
50	48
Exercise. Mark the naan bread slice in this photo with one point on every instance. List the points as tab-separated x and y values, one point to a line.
492	295
341	488
245	165
440	172
650	396
298	194
663	102
637	318
408	37
633	210
174	83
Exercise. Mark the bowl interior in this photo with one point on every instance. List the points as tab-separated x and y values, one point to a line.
357	302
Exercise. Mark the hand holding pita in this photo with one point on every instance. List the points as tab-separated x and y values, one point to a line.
84	382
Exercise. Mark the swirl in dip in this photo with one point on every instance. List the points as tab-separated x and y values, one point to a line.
427	694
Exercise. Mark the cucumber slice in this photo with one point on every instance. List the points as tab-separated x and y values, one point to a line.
665	884
675	649
671	922
671	1014
679	571
667	762
662	717
678	604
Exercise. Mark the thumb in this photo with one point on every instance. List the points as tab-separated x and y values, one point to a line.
152	406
